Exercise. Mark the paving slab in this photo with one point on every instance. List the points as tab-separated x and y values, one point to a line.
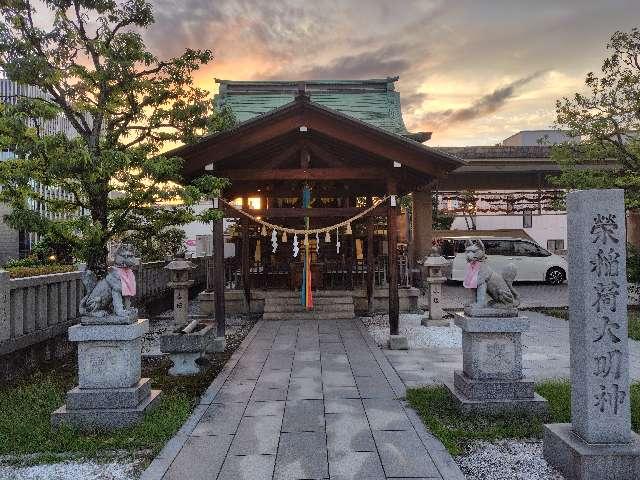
287	412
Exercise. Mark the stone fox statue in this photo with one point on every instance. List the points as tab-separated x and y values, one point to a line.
492	289
110	295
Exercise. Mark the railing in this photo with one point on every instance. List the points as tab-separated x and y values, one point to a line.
336	274
34	309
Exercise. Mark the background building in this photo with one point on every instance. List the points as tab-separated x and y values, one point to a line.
14	244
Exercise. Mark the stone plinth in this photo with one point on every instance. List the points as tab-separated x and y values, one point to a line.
110	393
491	380
186	348
599	443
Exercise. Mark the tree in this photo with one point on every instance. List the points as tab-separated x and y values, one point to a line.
158	245
607	121
125	106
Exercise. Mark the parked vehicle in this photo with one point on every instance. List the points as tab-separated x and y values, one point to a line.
533	263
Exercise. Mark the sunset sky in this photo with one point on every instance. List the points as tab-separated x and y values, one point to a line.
471	71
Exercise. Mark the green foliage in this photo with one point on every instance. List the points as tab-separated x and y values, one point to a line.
32	271
607	120
457	431
633	263
157	245
125	105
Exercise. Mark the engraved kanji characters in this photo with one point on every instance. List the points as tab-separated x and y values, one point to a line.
607	329
606	294
603	228
607	363
606	264
609	400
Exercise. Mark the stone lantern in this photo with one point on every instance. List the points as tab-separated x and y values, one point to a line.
434	265
180	280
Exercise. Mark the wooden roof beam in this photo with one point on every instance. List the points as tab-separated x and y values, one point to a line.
341	173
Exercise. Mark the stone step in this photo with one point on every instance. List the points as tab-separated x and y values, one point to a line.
316	301
316	293
338	307
312	315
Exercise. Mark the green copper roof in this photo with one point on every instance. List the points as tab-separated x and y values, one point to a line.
373	101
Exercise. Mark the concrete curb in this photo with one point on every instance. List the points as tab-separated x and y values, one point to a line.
441	458
160	464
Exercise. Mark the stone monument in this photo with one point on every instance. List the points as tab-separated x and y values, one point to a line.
180	273
434	265
491	380
110	392
598	443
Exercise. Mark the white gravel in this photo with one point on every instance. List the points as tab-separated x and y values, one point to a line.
419	336
507	460
72	471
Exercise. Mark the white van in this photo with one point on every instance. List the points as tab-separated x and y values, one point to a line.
533	263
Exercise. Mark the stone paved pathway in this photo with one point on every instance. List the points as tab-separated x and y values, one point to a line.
304	400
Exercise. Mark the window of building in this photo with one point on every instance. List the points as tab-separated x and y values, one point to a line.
527	219
555	245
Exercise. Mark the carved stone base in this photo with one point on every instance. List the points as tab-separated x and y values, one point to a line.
491	381
526	406
110	393
104	418
492	390
578	460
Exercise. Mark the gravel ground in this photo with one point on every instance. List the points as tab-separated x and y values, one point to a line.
507	460
419	336
72	471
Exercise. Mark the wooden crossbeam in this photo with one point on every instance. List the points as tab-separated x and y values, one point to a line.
341	173
309	212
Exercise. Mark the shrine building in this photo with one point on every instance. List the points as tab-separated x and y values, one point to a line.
329	162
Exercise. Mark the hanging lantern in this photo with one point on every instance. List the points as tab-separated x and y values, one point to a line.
284	237
348	231
327	237
264	231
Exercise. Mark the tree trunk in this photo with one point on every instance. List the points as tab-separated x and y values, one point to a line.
98	252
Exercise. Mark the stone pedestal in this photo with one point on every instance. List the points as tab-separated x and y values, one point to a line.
110	393
598	443
491	380
185	348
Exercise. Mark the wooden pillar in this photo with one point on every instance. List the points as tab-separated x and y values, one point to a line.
370	260
244	260
392	239
218	275
422	218
350	249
